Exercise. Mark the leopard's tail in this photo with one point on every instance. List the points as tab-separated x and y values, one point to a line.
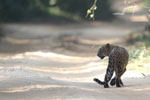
98	81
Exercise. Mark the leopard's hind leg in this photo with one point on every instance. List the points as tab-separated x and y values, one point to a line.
113	82
119	73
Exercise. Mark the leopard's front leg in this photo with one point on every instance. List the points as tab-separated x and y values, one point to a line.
109	74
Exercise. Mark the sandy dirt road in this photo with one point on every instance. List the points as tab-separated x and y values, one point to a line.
50	76
45	62
58	62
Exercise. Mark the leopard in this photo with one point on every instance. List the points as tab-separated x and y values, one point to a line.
117	62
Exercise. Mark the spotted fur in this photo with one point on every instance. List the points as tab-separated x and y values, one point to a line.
118	60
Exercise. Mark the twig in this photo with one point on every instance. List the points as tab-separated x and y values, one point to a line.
92	10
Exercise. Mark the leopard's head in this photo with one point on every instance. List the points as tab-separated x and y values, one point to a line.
104	51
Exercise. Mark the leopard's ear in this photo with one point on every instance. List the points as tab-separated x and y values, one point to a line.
108	45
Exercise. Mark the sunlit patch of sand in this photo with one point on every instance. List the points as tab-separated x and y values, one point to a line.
58	57
18	41
85	63
141	18
132	8
49	56
72	70
82	75
82	72
101	41
86	69
145	89
41	87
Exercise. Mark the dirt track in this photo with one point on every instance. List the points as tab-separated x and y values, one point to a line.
58	62
49	76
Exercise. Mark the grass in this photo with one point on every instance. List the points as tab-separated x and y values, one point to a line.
140	59
140	53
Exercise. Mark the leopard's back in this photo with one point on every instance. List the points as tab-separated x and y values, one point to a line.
119	57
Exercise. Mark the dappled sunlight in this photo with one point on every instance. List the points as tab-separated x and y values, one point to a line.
17	41
40	58
141	18
31	87
132	9
43	87
59	56
49	59
48	64
72	70
143	89
50	56
101	41
82	75
138	86
55	66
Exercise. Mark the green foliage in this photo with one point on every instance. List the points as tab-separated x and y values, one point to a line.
24	9
104	11
80	7
1	31
146	3
20	9
74	6
91	11
140	53
139	58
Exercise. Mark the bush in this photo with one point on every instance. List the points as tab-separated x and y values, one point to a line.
23	9
20	9
140	59
1	32
139	54
141	37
